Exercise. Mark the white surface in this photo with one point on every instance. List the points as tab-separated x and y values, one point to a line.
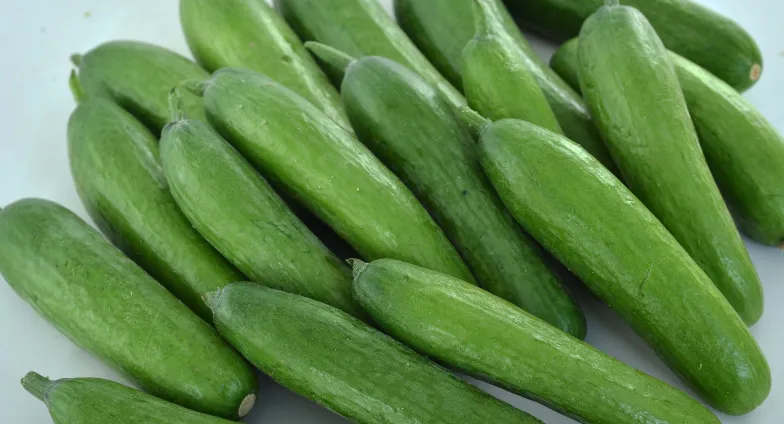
38	38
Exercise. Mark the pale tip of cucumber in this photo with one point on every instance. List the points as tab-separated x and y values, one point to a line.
37	385
246	405
212	299
358	266
756	72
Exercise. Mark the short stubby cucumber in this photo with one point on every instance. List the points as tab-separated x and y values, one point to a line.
139	76
474	332
595	226
327	170
94	400
110	307
345	365
250	34
634	95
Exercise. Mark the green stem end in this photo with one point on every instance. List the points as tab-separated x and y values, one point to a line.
38	385
333	61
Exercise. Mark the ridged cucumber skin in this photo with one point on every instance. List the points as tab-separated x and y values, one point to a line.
139	76
688	28
744	151
327	170
94	400
438	161
596	227
632	89
250	34
480	334
107	305
228	202
115	165
345	365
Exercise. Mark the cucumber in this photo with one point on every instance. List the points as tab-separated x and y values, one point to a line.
93	400
249	34
228	202
480	334
747	173
633	92
327	170
345	365
437	160
596	227
139	76
107	305
565	62
496	80
705	37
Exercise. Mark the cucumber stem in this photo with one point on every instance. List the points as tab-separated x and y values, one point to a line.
612	3
470	120
333	61
197	87
77	90
357	266
37	385
176	111
76	59
212	299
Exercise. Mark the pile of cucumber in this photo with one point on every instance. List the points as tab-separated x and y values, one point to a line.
230	191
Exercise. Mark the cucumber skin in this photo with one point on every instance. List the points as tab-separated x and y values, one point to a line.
327	170
438	315
744	151
345	365
139	76
660	158
438	161
107	305
606	236
250	34
228	202
705	37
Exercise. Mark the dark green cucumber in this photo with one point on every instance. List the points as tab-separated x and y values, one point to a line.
228	202
596	227
437	160
139	76
249	34
345	365
630	85
480	334
707	38
744	151
327	170
94	400
107	305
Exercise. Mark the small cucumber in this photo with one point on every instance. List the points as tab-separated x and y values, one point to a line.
345	365
480	334
93	400
249	34
327	170
139	76
630	86
107	305
596	227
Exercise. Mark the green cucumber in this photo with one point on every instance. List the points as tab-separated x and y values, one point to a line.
686	27
345	365
94	400
249	34
565	62
228	202
480	334
107	305
327	170
139	76
749	174
437	160
595	226
630	86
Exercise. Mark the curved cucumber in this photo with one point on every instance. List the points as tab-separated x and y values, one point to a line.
597	228
93	400
228	202
107	305
345	365
633	91
475	332
139	76
327	170
249	34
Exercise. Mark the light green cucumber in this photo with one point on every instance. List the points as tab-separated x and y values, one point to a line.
108	306
630	85
595	226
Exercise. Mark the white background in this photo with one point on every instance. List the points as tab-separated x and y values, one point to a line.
38	37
